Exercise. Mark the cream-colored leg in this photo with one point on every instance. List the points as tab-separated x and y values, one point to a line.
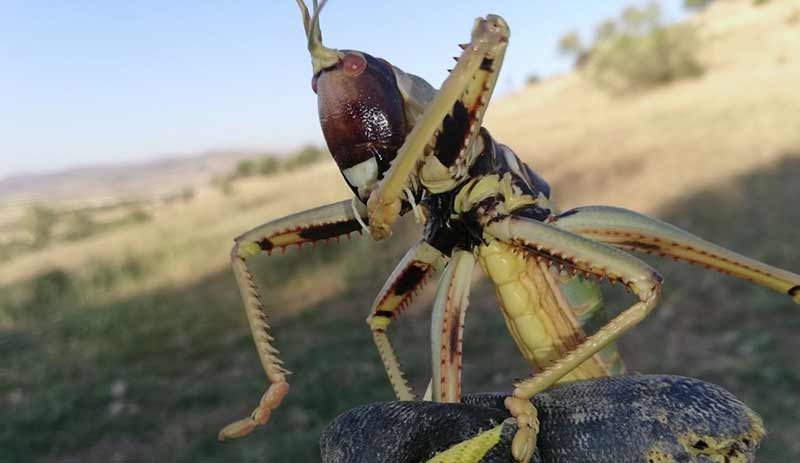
447	326
630	230
406	280
322	223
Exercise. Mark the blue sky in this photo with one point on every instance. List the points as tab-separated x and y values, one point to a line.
86	82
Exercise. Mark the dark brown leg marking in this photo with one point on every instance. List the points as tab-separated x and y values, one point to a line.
410	279
454	131
384	313
324	231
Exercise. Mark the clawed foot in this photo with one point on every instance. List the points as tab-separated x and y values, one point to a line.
524	443
269	401
382	215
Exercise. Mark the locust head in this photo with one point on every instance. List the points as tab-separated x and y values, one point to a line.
361	110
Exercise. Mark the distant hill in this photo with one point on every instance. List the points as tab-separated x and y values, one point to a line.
153	305
646	149
137	180
741	114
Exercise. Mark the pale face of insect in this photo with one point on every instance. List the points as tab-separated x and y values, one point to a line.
361	112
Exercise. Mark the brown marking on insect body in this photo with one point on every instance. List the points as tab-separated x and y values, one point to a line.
328	230
407	296
384	313
675	245
532	211
567	214
411	277
552	256
453	349
455	128
639	245
561	261
265	244
486	64
450	352
794	291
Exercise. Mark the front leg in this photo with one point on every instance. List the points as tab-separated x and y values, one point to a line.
562	247
449	125
325	222
630	230
406	280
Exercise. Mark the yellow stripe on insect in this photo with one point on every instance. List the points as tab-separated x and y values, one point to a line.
391	303
513	197
436	177
379	322
286	239
476	191
248	250
492	185
470	451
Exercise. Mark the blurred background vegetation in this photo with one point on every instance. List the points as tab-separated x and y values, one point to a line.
122	333
636	51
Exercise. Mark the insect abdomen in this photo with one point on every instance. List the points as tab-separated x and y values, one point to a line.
543	329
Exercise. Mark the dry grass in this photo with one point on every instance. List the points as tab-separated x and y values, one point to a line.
638	152
647	149
187	242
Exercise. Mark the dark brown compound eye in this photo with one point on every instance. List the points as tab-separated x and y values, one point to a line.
314	82
353	64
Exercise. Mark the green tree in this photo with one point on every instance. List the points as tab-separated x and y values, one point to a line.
570	44
533	79
605	30
639	51
306	155
640	20
245	168
187	194
81	225
40	221
137	214
268	165
696	4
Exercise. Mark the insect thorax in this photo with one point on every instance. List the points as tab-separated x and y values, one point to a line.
497	184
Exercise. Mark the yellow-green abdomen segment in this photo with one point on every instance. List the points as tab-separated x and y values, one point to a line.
535	311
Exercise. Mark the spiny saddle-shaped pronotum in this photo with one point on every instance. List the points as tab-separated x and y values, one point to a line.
403	146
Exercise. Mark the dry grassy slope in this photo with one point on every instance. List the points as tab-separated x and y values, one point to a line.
639	152
104	183
191	241
176	335
645	150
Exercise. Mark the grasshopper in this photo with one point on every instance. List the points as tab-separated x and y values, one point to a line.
403	146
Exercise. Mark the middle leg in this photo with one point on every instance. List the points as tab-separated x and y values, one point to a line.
447	326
